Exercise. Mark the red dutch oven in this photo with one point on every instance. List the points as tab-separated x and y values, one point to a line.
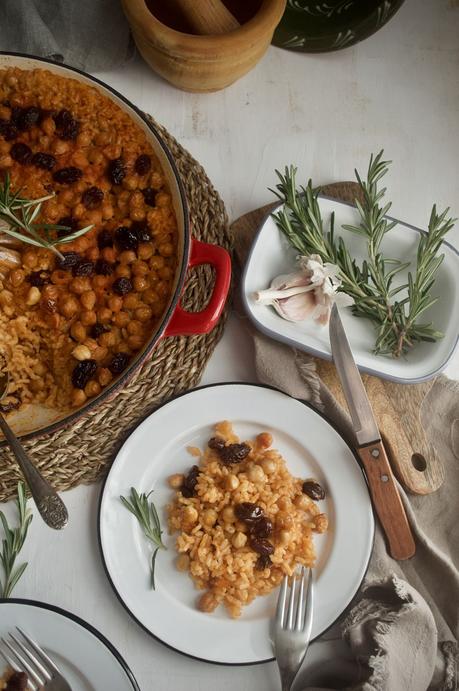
175	320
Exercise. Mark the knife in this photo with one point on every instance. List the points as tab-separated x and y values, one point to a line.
383	490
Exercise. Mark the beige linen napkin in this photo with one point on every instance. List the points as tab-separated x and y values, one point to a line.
401	631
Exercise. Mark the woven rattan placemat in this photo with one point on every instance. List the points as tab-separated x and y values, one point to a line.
83	452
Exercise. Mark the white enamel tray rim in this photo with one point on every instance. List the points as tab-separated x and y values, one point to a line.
174	611
432	357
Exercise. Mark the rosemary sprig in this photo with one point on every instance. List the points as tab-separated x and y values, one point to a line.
370	285
12	544
148	519
19	220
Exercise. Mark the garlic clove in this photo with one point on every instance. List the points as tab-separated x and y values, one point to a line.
295	308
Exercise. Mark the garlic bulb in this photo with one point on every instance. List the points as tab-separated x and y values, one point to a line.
310	291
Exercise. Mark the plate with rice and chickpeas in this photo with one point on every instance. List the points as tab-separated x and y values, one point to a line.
248	484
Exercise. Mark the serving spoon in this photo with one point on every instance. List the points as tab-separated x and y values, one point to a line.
51	507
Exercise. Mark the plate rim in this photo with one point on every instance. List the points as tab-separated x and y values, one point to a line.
99	519
84	624
319	353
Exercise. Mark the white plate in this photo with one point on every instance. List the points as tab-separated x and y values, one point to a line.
157	448
86	659
271	256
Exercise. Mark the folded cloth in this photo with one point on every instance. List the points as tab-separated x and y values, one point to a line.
92	35
401	633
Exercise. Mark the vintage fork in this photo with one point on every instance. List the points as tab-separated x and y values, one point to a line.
292	625
27	656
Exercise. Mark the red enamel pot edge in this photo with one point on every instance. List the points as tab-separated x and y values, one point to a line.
192	252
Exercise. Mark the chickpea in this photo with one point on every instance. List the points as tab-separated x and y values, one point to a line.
59	277
137	214
92	388
143	313
157	262
115	303
255	474
140	268
283	520
104	376
145	250
165	273
123	347
33	296
79	159
131	301
104	315
239	540
78	331
182	562
100	353
302	502
78	397
166	249
162	288
103	138
284	503
284	537
88	299
189	517
123	271
162	199
150	296
130	182
107	339
134	327
121	318
16	277
209	518
109	254
140	283
207	602
84	139
264	440
176	481
136	199
40	369
107	212
30	259
100	282
231	482
81	352
135	342
228	514
6	161
59	147
80	285
127	257
48	126
93	254
88	318
320	523
269	466
50	292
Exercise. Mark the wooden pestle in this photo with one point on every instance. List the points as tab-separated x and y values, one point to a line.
207	17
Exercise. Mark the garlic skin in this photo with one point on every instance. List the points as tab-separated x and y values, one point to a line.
310	291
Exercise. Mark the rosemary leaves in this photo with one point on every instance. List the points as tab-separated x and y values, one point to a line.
12	544
148	519
19	219
395	311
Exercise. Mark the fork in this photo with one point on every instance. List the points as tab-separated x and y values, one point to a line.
292	625
27	656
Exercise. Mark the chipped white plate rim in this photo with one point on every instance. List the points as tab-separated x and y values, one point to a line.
157	449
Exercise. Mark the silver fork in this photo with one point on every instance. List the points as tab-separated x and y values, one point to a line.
26	656
291	628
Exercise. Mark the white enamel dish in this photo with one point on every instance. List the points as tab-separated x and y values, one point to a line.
86	659
158	448
271	256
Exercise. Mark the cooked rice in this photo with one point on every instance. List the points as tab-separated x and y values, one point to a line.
209	531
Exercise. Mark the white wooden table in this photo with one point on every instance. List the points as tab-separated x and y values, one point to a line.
399	91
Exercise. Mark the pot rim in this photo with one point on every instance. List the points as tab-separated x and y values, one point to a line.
144	354
264	21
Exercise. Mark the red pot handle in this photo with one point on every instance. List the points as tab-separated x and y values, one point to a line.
185	323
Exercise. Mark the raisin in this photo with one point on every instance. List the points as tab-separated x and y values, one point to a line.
234	453
92	198
140	228
83	373
21	153
263	561
7	130
126	239
149	196
143	164
119	363
69	260
49	305
216	443
313	490
83	269
122	286
70	223
104	239
25	118
262	528
261	546
67	176
66	125
248	512
38	278
97	330
188	488
18	681
104	268
116	171
42	160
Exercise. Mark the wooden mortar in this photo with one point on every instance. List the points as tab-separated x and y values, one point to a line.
202	63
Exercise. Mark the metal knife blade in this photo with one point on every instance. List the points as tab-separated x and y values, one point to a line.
365	427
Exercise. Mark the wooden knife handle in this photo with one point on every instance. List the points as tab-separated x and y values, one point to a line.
387	501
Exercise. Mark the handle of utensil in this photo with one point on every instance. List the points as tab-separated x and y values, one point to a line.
51	507
387	501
